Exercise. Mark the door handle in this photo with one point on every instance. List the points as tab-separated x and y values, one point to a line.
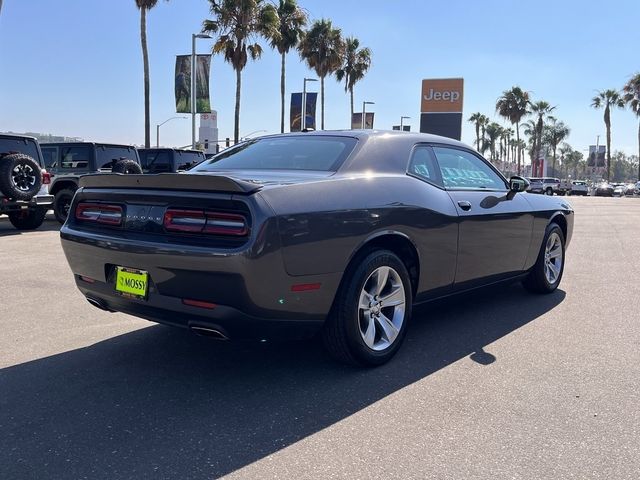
464	205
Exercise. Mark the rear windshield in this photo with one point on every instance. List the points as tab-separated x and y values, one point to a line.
321	153
105	155
19	145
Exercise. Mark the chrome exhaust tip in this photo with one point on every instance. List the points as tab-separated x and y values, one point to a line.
208	332
98	304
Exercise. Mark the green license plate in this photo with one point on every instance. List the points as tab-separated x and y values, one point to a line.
131	282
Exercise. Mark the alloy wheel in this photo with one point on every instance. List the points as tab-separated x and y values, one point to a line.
23	177
381	308
553	257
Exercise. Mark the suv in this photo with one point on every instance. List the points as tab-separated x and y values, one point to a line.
161	160
24	196
67	162
573	187
545	185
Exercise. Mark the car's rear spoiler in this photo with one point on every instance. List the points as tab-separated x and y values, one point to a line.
170	181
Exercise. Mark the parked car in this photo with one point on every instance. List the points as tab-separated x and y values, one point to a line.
603	189
168	160
550	185
24	195
619	189
535	185
546	185
630	189
67	162
287	235
578	187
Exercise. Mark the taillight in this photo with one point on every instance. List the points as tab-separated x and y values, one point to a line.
99	213
204	221
46	178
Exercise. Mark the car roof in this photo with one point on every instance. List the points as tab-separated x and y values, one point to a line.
188	150
95	144
415	137
17	137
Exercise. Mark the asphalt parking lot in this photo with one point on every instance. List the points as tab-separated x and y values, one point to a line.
499	384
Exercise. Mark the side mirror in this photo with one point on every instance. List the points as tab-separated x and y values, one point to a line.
517	184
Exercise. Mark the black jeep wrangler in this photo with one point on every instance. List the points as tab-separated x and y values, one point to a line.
169	160
67	162
24	196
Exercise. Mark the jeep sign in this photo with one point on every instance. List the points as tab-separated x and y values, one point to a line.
442	95
441	107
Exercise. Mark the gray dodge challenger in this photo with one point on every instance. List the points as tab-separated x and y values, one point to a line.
334	232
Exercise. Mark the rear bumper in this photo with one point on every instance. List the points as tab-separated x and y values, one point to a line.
253	295
232	323
37	201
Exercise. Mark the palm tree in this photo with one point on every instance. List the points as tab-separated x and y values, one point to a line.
493	131
235	26
355	64
513	105
477	119
556	132
484	145
144	6
530	130
542	109
565	158
607	99
322	48
632	99
292	19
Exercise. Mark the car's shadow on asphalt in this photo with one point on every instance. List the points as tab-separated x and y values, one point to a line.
8	230
163	403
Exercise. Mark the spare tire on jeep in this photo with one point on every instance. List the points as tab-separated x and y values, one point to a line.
20	176
124	165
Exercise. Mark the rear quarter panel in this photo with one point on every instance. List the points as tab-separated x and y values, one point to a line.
324	224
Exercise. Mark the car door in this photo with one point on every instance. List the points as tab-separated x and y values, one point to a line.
495	228
436	236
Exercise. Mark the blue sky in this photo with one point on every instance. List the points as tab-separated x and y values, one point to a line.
78	64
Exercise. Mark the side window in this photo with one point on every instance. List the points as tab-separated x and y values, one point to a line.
463	170
50	155
156	162
75	157
423	165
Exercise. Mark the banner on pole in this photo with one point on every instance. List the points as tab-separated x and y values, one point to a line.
295	111
356	120
183	83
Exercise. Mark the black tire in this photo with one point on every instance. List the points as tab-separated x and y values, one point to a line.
62	203
20	176
537	280
28	219
342	330
126	166
548	191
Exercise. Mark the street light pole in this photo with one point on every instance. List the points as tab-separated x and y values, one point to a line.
595	161
402	122
303	120
158	129
193	86
364	106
